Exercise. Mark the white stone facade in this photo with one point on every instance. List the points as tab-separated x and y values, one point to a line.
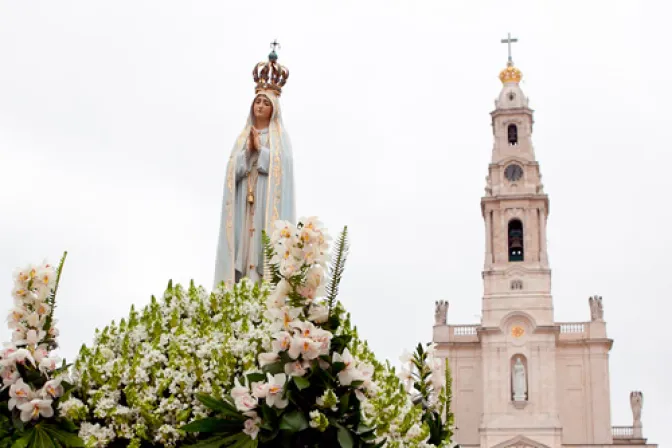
567	400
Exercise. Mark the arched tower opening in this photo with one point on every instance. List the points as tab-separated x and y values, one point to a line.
512	132
516	249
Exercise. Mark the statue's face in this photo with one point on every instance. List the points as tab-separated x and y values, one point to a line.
262	107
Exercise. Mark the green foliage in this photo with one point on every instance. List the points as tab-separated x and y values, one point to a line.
337	267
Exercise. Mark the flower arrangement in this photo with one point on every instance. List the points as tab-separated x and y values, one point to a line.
271	364
33	383
308	389
317	386
139	380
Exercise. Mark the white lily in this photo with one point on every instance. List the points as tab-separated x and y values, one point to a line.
305	347
49	364
276	389
284	318
268	358
251	425
297	368
19	393
52	388
282	340
20	356
34	408
349	373
318	314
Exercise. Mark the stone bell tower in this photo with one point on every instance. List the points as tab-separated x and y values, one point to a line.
516	274
520	379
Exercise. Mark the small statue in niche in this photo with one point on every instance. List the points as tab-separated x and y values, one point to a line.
596	310
440	312
519	381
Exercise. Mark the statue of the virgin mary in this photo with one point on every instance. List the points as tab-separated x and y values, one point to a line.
259	185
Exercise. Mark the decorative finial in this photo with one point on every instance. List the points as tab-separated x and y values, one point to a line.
270	76
510	73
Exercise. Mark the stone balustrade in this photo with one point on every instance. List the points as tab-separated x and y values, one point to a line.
573	327
622	432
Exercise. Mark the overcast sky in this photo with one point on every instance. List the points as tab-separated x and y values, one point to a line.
117	118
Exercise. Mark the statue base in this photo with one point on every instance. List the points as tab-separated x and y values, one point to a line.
519	403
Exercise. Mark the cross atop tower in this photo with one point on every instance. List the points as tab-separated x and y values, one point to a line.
509	41
275	44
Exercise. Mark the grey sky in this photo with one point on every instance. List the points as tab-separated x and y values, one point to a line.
116	120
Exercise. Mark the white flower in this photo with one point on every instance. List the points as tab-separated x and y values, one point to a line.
275	391
15	315
297	368
283	230
33	337
246	403
366	372
259	389
52	388
19	393
49	364
306	329
239	390
315	276
318	314
282	340
268	358
349	373
278	297
323	338
34	408
284	318
45	277
406	357
20	356
251	425
40	353
305	347
9	375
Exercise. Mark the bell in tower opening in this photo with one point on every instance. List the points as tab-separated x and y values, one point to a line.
516	250
513	134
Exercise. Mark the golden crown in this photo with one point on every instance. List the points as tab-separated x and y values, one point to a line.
510	74
270	76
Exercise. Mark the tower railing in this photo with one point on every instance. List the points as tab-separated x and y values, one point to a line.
622	432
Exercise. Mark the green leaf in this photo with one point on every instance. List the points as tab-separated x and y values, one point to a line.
58	434
213	424
293	422
345	438
67	425
255	378
336	268
212	442
220	406
273	369
23	441
337	367
301	382
356	384
41	439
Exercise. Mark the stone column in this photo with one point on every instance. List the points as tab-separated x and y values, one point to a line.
488	238
542	243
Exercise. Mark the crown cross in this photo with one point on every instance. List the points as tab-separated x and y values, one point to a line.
508	41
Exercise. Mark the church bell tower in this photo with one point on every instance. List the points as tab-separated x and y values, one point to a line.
516	273
520	379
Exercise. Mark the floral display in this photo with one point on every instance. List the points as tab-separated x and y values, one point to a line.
270	364
33	382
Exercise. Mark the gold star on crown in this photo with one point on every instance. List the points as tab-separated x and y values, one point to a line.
270	76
